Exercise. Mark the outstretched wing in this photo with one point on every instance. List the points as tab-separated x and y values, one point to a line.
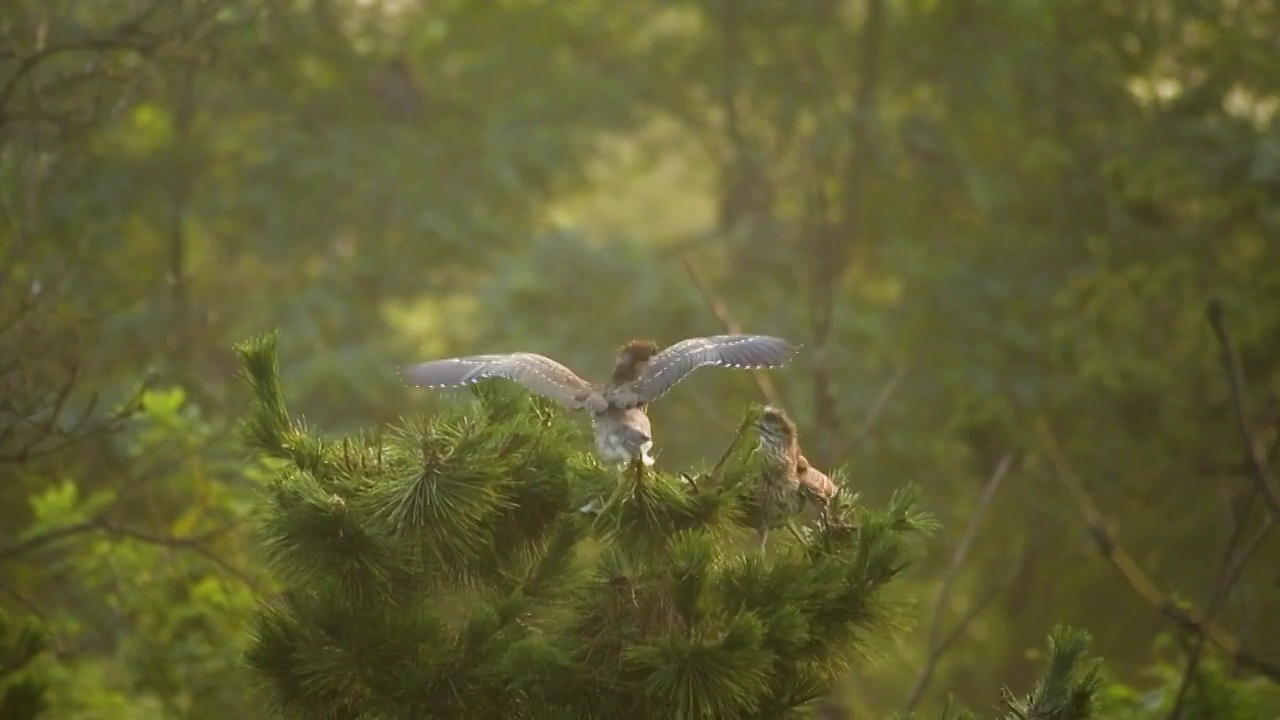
675	362
537	372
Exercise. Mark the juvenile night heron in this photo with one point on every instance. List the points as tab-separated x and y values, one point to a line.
641	374
789	485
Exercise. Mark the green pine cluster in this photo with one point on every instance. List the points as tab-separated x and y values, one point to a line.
442	569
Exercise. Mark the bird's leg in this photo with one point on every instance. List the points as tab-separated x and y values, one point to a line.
763	532
638	468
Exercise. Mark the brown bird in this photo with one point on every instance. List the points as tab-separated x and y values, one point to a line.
789	485
641	374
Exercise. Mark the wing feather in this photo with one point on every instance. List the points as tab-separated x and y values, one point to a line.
675	362
538	373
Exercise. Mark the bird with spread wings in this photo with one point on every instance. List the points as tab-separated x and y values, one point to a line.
641	374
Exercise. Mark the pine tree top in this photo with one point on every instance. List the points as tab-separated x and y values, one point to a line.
442	568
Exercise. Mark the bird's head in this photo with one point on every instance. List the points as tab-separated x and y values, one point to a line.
776	426
632	358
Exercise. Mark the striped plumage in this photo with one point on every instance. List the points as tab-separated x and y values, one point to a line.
789	485
641	374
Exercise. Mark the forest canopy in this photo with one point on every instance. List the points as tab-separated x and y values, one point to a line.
1030	251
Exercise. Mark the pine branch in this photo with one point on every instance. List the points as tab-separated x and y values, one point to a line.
268	428
1069	686
750	416
268	422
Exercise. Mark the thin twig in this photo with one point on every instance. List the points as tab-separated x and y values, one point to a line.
36	542
35	610
877	407
993	593
1227	576
1232	567
119	38
1235	373
194	543
831	241
1250	549
958	557
733	443
721	312
1188	618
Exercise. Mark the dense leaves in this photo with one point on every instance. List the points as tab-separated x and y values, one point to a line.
982	220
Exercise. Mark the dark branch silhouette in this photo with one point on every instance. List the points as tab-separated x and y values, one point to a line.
1232	563
721	312
194	543
1186	617
1235	373
937	643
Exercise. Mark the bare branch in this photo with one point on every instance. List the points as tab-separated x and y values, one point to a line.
1188	618
721	312
131	35
877	407
994	592
936	645
733	443
1233	565
35	610
1235	373
81	430
194	543
36	542
831	241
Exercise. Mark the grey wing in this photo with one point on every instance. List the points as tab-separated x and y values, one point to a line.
675	362
536	372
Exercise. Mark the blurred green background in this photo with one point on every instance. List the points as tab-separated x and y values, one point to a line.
975	215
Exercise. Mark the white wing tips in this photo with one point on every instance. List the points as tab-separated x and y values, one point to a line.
754	352
450	372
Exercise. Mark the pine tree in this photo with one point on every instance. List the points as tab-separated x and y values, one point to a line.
442	570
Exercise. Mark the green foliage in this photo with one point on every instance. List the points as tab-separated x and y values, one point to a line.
148	616
23	689
1030	203
1068	689
1216	691
1069	686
